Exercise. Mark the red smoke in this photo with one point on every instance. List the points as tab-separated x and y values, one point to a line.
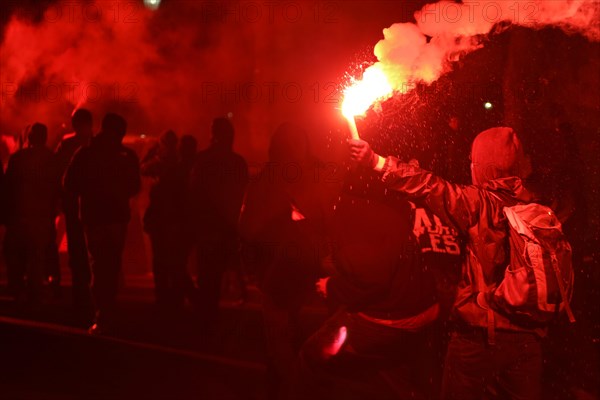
422	51
183	64
114	55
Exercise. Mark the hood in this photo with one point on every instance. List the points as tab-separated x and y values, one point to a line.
497	153
511	187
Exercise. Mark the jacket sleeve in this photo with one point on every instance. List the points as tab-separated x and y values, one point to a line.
9	175
8	188
62	158
457	205
134	177
72	179
2	195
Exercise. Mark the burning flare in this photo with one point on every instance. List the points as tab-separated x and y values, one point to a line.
422	51
358	97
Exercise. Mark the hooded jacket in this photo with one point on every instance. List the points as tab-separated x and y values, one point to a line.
476	211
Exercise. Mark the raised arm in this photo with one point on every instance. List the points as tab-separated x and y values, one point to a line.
455	204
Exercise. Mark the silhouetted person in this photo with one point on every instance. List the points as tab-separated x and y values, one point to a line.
77	249
283	228
2	195
160	219
218	182
385	254
104	176
188	151
165	219
32	188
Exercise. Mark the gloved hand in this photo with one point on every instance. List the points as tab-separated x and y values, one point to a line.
361	152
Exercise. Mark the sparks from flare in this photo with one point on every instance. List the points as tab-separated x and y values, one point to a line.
360	95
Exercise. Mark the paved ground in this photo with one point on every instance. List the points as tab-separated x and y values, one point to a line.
49	355
45	363
149	355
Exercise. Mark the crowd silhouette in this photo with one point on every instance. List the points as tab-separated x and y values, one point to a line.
388	264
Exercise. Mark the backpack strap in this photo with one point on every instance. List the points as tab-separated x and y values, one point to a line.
479	286
561	288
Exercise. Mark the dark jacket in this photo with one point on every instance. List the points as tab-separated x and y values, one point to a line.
64	154
2	195
67	149
217	184
166	206
388	252
32	184
105	175
282	226
476	212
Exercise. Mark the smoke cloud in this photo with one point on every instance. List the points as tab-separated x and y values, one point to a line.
158	68
422	51
181	65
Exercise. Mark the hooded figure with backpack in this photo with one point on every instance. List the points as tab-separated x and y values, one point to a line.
515	252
